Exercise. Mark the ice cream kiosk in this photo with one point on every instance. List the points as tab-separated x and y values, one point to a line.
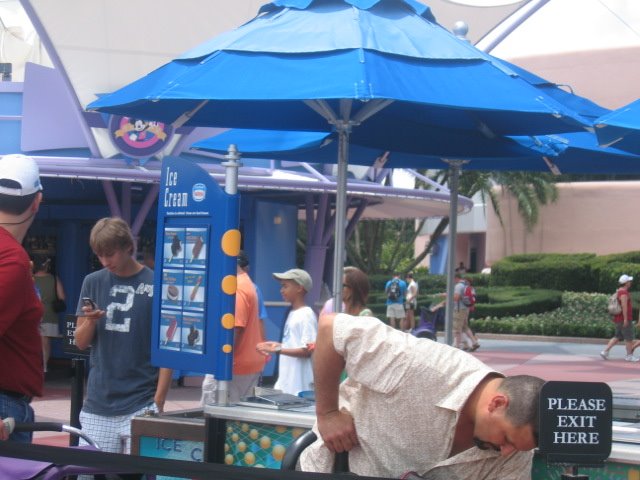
197	242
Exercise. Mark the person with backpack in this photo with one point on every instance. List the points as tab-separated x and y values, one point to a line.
463	300
395	289
623	321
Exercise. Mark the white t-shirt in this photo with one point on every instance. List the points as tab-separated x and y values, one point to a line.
296	374
412	291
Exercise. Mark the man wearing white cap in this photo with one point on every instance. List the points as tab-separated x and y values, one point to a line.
623	321
22	376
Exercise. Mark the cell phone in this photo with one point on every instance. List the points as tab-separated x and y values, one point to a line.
87	302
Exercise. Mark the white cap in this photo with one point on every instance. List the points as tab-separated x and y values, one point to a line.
298	275
22	170
624	279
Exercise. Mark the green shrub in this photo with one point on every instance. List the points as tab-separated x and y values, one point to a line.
581	315
501	302
583	272
556	271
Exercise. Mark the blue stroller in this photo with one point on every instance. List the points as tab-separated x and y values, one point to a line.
429	320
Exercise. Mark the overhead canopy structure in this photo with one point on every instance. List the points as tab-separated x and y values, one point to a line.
383	202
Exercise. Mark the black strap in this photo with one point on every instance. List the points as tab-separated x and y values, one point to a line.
341	463
115	462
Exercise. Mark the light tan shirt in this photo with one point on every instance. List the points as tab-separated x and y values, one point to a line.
405	395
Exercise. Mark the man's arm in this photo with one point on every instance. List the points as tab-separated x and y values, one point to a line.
336	427
269	347
625	312
4	435
86	327
164	383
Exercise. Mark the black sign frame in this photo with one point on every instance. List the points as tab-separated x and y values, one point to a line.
575	422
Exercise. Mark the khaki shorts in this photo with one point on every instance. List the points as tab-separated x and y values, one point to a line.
395	310
459	317
624	334
49	330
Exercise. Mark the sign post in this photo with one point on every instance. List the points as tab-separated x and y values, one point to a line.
575	424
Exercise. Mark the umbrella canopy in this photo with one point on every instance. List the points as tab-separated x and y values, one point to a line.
621	128
259	75
379	72
322	147
576	152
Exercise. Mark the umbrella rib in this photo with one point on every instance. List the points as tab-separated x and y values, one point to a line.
186	116
322	108
370	108
552	166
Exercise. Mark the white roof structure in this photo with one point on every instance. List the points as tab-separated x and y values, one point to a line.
592	46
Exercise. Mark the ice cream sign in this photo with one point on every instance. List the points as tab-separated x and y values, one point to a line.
197	241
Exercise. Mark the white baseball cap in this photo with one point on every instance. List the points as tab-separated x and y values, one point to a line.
21	169
624	279
298	275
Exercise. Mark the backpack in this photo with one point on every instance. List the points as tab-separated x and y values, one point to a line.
613	305
393	290
469	296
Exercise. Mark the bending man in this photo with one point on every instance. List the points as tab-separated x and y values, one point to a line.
469	421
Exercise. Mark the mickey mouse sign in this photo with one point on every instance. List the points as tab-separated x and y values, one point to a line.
138	138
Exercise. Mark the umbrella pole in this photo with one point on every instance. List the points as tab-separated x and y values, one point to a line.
231	168
454	174
341	215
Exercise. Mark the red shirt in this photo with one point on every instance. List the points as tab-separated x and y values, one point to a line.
620	317
20	314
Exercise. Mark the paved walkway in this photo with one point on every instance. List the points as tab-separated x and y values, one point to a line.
557	359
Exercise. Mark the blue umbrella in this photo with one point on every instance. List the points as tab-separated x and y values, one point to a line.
576	152
621	128
383	56
379	72
322	147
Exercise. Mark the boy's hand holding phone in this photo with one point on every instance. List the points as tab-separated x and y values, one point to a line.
87	302
90	308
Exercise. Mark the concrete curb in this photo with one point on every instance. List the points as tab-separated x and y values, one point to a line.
542	338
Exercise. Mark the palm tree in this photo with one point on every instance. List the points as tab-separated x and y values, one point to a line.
388	246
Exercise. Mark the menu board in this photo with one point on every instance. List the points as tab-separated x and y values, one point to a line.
183	289
196	248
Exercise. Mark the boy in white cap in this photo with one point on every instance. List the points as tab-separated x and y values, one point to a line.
295	372
20	307
623	321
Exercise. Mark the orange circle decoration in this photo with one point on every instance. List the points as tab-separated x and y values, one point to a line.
230	242
227	348
228	321
229	284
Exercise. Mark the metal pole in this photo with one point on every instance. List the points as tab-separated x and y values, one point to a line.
341	214
454	174
574	475
505	28
77	396
232	166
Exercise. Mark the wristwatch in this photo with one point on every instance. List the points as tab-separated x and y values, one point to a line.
278	348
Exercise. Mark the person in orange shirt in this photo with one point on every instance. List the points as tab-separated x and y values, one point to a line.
249	331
